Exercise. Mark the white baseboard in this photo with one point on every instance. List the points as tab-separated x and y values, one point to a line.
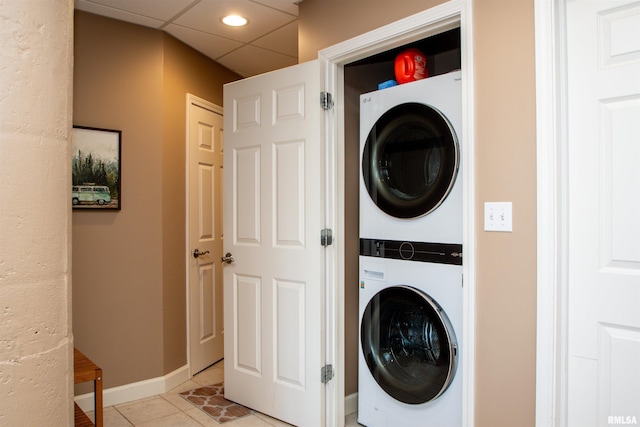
134	391
351	404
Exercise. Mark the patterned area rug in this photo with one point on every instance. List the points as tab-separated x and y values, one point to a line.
210	399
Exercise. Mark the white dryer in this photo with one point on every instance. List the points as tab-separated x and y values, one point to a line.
410	186
409	352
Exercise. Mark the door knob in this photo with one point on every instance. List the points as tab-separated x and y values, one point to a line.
228	258
197	253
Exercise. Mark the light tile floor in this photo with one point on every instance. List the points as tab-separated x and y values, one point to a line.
171	410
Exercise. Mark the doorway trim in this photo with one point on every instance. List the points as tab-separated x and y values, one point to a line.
455	13
552	267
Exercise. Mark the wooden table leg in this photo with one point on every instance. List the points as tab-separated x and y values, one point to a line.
85	370
97	395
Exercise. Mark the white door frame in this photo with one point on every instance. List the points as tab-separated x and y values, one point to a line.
552	268
455	13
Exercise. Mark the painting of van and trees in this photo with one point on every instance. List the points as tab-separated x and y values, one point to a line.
95	168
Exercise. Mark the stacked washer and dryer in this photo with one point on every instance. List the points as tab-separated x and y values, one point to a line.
410	300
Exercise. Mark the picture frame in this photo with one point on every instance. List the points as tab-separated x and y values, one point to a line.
96	173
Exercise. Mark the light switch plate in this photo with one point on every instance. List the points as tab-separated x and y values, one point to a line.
497	216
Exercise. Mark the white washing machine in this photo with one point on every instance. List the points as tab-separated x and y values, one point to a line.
409	352
410	187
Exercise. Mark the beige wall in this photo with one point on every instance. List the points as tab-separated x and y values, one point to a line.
128	266
505	171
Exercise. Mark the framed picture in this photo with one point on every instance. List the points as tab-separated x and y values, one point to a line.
95	168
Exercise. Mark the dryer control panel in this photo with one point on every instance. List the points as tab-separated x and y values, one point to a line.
443	253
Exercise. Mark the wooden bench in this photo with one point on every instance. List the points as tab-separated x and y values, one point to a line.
85	370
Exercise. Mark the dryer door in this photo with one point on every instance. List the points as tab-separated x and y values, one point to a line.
408	344
410	160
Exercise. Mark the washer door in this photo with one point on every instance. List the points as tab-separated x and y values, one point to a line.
408	344
410	160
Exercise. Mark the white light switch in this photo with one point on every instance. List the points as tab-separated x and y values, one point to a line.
497	216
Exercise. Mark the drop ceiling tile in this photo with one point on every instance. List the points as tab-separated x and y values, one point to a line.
206	15
120	15
283	40
288	6
250	61
162	10
208	44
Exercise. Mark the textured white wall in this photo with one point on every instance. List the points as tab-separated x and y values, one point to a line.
36	346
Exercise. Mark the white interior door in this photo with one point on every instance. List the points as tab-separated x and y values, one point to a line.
273	217
204	229
604	212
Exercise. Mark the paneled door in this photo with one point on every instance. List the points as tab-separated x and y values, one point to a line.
204	229
603	45
273	217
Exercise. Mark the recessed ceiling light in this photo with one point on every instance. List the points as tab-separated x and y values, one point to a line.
234	20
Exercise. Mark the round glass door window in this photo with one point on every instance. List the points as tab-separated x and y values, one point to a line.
410	160
408	344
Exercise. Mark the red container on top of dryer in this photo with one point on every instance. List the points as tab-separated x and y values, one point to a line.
410	65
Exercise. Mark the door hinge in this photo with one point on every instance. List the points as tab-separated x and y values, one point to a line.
326	373
326	237
326	100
